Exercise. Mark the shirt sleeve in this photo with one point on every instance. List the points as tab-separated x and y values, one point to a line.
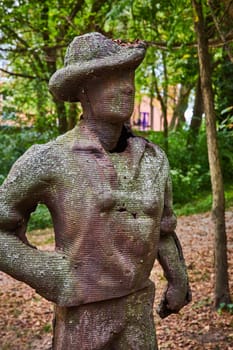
168	220
21	192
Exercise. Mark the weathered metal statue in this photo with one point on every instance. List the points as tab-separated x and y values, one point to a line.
109	194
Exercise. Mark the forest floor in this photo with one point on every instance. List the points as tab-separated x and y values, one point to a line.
26	318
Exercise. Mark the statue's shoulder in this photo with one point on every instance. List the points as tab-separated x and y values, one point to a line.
158	151
67	139
55	148
31	166
34	155
41	157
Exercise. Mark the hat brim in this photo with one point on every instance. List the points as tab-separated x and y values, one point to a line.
66	82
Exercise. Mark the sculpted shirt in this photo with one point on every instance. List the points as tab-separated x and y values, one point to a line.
108	209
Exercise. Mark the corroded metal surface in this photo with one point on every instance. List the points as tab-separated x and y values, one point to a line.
109	194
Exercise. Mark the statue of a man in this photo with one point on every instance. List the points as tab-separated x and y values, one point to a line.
109	194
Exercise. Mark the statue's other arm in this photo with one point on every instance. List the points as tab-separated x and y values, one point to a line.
47	272
170	257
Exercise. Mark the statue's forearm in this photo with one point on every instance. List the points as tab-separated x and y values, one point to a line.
47	272
172	261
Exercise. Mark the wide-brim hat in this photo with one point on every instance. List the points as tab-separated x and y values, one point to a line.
91	54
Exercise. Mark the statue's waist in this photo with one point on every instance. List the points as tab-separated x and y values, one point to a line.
95	279
109	258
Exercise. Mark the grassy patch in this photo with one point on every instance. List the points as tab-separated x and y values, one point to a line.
229	195
47	328
202	203
41	237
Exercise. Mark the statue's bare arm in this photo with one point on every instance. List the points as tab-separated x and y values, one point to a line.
170	257
47	272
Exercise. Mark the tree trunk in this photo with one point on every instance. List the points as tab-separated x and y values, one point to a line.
178	118
61	116
151	111
197	109
163	104
41	111
222	294
72	116
229	7
197	115
165	130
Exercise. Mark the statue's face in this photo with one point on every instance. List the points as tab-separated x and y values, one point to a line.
111	97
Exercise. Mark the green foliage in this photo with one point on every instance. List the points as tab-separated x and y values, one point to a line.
14	142
225	139
165	26
200	204
33	37
47	328
40	219
229	195
225	307
189	166
186	184
224	92
189	174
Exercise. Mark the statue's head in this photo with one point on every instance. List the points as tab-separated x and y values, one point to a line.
93	56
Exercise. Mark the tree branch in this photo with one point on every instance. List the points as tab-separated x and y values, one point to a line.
226	10
75	9
64	28
212	43
159	96
221	35
20	39
25	44
21	75
13	49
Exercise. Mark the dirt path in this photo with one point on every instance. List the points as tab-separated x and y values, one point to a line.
25	321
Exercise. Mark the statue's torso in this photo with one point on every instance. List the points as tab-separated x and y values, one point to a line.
106	210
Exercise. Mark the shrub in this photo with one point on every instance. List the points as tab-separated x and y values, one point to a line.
225	138
40	219
14	142
189	164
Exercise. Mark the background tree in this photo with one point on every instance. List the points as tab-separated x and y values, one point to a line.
33	37
222	293
169	60
166	38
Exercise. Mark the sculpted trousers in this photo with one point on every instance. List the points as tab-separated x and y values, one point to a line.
125	323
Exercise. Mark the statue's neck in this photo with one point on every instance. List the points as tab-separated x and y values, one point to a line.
107	133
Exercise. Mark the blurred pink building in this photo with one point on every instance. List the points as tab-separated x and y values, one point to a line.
148	116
